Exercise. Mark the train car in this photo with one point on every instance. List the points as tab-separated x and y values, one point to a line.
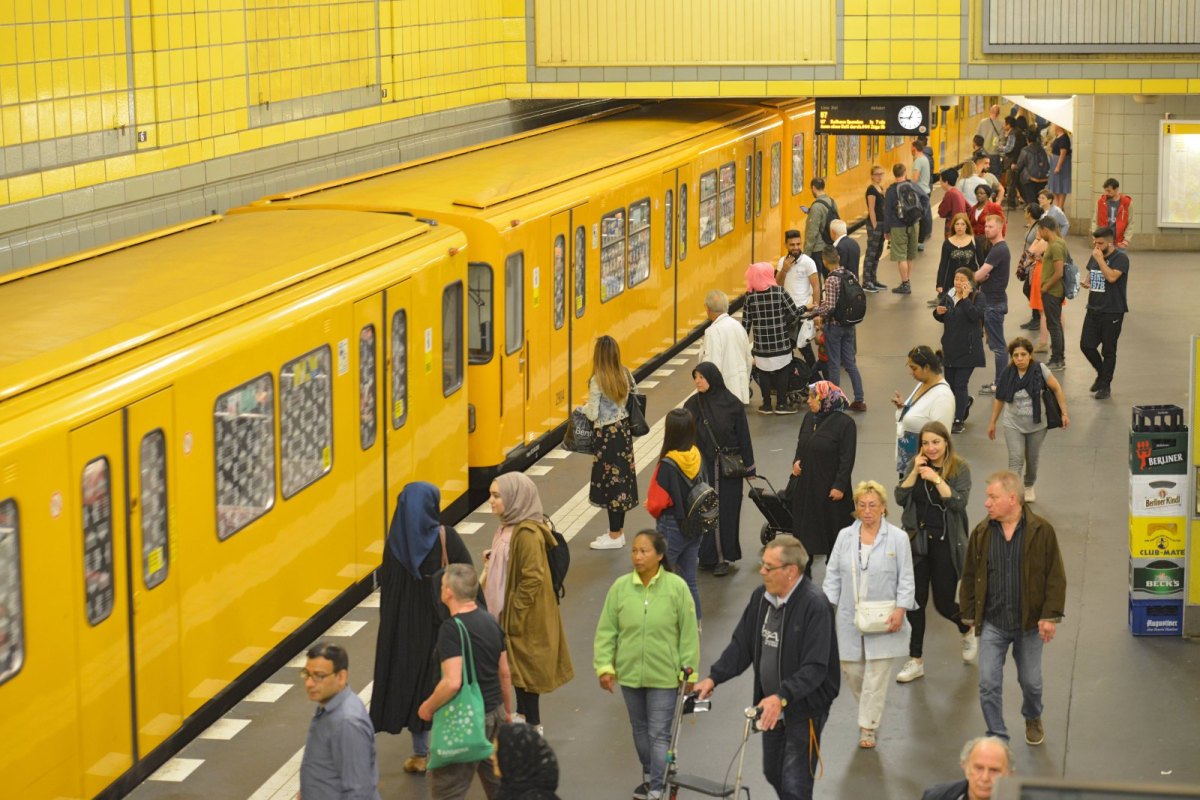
201	433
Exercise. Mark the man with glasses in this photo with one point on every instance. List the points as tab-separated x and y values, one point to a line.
339	756
786	634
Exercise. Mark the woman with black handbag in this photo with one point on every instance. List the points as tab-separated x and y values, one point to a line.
611	392
723	435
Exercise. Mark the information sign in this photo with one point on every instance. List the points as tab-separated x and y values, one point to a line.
879	116
1179	174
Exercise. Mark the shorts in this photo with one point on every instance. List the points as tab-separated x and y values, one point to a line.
904	242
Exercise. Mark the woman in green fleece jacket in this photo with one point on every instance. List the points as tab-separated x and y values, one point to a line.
647	632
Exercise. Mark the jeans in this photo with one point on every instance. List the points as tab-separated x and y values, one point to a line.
789	758
453	781
1027	653
1101	330
420	743
651	712
874	251
936	569
841	342
682	552
993	328
1052	308
959	379
1024	449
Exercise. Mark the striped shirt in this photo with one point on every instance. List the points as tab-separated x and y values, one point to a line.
1004	578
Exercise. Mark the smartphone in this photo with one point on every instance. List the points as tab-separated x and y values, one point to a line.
804	209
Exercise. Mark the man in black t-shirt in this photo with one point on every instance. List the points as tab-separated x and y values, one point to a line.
992	278
1108	272
459	589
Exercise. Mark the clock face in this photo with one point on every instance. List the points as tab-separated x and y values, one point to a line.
910	117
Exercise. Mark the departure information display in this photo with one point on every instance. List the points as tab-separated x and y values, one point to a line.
879	116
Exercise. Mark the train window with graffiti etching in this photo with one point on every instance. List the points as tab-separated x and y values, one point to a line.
12	613
776	173
399	368
758	183
842	161
728	185
368	412
683	222
480	317
639	242
708	208
560	281
668	229
96	507
244	453
452	322
749	178
612	254
305	420
152	477
797	163
514	302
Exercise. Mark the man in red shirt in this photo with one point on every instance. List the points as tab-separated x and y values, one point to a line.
1112	211
953	200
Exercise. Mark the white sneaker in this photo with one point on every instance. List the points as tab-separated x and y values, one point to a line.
1030	495
913	669
606	542
970	647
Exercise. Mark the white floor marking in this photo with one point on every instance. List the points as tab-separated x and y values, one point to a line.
299	661
345	627
678	362
558	452
483	509
647	384
224	729
663	373
538	469
691	351
371	601
467	528
176	770
268	692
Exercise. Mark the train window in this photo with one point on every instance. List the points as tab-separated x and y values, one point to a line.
821	157
776	173
683	229
668	228
96	505
12	613
480	318
639	242
841	145
152	456
580	271
514	302
854	151
797	163
728	185
399	368
749	200
612	254
560	281
305	420
758	183
368	414
708	207
244	452
452	322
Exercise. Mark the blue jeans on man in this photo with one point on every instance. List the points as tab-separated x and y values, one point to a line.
790	755
841	343
993	328
651	712
1027	653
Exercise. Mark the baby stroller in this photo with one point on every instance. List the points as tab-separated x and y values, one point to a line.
775	507
686	703
800	375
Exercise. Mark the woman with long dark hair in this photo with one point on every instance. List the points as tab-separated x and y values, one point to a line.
614	475
679	465
961	312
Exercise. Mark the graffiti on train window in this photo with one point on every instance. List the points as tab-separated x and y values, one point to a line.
748	201
368	413
580	271
514	302
708	208
244	452
776	173
480	317
12	613
758	183
96	507
305	420
728	186
560	281
797	163
639	242
452	360
612	254
399	368
152	476
683	222
668	228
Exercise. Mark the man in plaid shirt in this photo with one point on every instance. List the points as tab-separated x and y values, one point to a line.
841	341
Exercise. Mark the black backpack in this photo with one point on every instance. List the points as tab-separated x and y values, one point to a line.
908	203
851	304
701	513
559	558
826	235
1040	168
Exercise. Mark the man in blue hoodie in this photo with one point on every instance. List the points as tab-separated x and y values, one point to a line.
786	633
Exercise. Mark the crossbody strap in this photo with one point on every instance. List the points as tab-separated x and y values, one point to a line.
721	449
464	638
442	537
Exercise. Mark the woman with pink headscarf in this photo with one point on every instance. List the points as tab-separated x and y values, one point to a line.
769	316
822	502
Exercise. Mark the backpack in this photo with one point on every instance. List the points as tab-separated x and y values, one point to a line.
1039	170
908	203
1070	277
559	558
826	236
851	304
701	512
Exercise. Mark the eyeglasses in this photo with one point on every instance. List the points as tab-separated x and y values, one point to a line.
316	676
765	567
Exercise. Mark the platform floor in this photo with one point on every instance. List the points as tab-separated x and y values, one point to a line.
1116	707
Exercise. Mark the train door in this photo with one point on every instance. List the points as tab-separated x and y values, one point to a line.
372	505
95	502
399	344
669	192
560	332
154	580
513	357
534	363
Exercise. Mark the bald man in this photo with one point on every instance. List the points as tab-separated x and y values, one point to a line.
984	760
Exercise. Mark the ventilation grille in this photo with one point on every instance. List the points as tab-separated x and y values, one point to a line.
1053	27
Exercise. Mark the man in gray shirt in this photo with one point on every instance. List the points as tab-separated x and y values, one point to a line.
339	756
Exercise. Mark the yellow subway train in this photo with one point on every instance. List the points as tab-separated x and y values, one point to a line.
202	429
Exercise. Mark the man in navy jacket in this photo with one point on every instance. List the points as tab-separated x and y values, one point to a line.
985	760
786	633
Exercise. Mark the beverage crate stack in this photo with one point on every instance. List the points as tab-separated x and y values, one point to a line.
1157	523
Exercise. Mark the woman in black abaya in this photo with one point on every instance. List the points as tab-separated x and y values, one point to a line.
821	498
406	669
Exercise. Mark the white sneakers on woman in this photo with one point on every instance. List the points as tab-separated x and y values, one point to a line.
913	668
970	647
1030	495
606	542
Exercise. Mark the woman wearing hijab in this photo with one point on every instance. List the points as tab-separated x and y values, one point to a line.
528	767
406	669
768	316
821	501
721	426
520	594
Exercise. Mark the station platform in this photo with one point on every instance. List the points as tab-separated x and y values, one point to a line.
1117	707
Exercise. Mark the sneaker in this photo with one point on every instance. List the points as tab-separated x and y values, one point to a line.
1057	366
721	570
785	408
858	405
1030	495
1032	325
903	288
932	303
880	286
1096	384
606	542
1035	734
870	287
970	646
913	668
765	410
642	792
987	388
920	248
1041	347
958	427
1103	393
415	765
967	412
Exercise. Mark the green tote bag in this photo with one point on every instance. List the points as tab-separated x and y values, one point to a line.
459	733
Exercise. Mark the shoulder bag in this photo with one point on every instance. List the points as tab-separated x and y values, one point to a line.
870	616
729	460
635	406
459	733
1050	406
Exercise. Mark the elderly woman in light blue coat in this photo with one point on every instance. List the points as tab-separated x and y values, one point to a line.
871	561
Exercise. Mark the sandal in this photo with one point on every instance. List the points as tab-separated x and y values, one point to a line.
866	739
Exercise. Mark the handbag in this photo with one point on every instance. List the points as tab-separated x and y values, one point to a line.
580	435
635	406
435	581
459	733
919	540
729	461
870	616
1052	408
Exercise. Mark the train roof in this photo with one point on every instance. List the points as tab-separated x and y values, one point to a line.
66	315
477	179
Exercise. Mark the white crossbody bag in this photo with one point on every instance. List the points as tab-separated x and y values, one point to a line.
870	616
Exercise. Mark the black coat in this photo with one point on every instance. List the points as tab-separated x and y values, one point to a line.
406	669
849	253
962	339
946	791
726	424
826	455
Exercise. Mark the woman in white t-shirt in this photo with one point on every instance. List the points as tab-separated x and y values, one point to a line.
932	400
